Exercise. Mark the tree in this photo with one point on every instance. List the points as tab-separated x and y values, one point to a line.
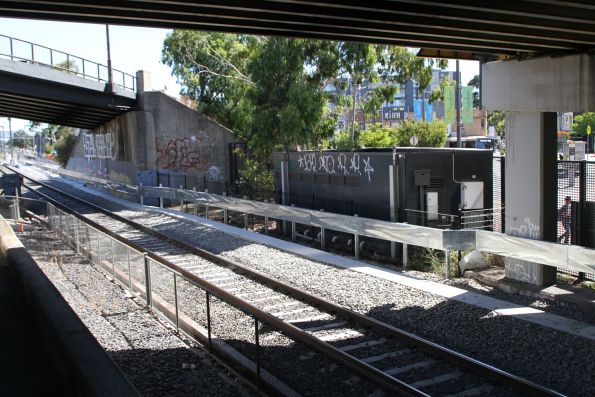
20	139
69	66
288	102
475	82
64	148
212	68
581	122
498	121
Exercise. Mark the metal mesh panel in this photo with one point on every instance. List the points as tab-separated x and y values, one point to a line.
568	186
498	196
576	205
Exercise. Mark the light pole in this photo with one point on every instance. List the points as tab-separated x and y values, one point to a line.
3	143
458	104
11	141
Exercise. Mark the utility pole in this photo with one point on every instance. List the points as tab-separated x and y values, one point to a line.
11	141
458	104
110	77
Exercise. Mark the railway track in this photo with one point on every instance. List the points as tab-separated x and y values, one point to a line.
328	344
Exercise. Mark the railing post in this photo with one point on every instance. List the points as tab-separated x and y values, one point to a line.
405	256
160	198
257	343
129	271
447	264
148	279
176	302
208	296
181	201
113	259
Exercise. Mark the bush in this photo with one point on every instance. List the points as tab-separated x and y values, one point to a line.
377	136
64	147
428	134
257	181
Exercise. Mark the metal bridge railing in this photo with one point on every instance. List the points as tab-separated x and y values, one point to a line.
575	258
26	51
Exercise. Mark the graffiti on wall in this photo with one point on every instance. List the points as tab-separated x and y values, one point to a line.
188	154
98	146
527	229
337	163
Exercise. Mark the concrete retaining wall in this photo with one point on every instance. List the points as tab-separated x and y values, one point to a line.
86	368
162	142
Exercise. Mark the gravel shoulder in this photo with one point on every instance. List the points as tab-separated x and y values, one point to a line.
155	360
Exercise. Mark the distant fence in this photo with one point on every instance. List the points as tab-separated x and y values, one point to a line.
25	51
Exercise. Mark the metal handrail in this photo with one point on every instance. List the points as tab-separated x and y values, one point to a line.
69	58
260	315
576	258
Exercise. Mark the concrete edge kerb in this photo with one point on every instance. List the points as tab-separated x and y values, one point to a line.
82	362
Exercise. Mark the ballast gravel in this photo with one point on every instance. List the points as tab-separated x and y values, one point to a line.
152	357
548	357
554	359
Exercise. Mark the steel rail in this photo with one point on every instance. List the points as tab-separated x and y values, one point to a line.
293	332
525	386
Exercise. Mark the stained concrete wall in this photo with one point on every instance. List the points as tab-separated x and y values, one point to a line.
162	142
562	84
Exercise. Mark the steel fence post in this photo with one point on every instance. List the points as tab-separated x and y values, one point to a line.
257	342
148	279
208	298
160	198
176	302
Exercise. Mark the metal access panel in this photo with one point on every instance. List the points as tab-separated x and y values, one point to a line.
472	195
432	206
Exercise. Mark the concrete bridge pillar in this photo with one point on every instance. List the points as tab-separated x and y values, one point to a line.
531	92
530	204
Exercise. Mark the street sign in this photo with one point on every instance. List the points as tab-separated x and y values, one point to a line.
413	140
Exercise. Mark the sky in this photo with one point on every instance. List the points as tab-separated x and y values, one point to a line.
131	48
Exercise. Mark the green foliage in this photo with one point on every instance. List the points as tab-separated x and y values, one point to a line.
271	91
257	181
376	136
498	121
20	139
64	147
342	141
429	134
212	70
288	104
581	121
68	66
475	83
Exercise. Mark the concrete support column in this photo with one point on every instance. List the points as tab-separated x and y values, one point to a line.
143	81
531	188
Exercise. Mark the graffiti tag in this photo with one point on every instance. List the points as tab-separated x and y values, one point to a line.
341	163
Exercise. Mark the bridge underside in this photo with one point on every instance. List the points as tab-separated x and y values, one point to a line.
456	28
36	92
48	102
